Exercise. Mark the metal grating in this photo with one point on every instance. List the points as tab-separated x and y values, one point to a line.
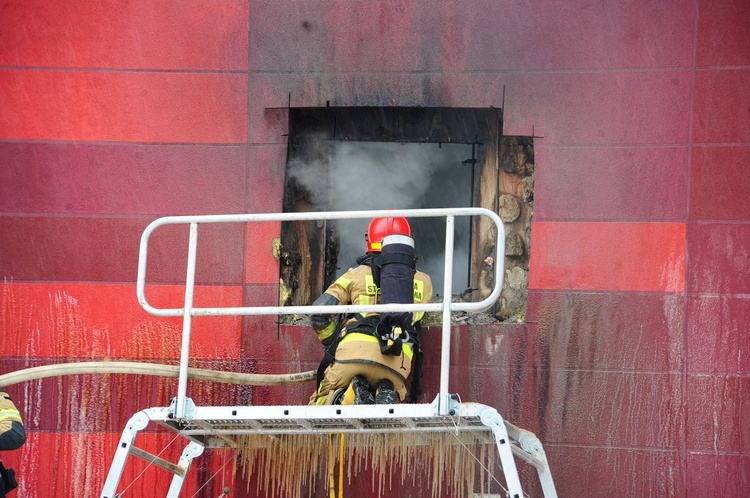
225	421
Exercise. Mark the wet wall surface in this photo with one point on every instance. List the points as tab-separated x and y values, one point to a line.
632	366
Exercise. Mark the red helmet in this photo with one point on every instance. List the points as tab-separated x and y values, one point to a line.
382	227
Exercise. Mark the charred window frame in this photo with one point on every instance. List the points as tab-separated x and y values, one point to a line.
309	250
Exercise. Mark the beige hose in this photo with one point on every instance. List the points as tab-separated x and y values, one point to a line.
136	368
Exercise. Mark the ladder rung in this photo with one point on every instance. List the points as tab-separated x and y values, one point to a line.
530	458
160	462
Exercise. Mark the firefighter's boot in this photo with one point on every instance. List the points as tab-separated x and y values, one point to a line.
358	392
386	395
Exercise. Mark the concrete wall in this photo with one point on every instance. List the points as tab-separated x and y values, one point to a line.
633	366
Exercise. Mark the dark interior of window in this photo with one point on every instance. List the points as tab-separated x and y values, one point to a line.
379	158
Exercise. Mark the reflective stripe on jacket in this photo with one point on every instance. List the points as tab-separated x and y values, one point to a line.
357	286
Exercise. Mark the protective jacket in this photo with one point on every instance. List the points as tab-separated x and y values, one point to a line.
12	431
358	352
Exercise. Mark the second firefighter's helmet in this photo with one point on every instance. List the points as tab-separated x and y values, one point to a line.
382	227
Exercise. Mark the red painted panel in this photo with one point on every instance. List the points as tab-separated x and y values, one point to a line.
196	34
719	335
295	394
351	89
717	416
723	37
431	340
339	36
719	188
261	295
285	346
491	386
719	258
268	117
418	36
603	331
588	407
599	107
478	345
648	183
524	374
608	256
121	179
275	349
76	464
318	90
265	185
569	108
710	474
466	341
571	334
124	106
267	125
578	108
610	472
528	34
262	265
106	249
66	320
257	330
722	106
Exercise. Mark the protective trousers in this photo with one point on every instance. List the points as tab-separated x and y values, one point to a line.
359	354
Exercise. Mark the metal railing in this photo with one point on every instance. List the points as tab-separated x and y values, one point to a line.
446	307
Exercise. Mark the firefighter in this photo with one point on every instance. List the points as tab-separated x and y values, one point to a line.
12	431
12	437
369	356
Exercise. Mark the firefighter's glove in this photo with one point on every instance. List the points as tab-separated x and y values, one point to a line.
325	334
323	324
7	480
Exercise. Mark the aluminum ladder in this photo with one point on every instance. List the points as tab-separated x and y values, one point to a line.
207	427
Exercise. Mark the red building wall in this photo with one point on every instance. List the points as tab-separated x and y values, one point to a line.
633	366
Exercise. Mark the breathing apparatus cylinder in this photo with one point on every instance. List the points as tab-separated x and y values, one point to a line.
397	267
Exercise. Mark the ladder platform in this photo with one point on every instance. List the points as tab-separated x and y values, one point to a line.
245	426
203	422
215	426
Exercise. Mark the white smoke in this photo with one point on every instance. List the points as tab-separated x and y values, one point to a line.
380	175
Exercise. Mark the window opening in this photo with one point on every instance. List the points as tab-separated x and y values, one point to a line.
375	158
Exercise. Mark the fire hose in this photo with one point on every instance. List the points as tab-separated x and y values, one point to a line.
141	368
